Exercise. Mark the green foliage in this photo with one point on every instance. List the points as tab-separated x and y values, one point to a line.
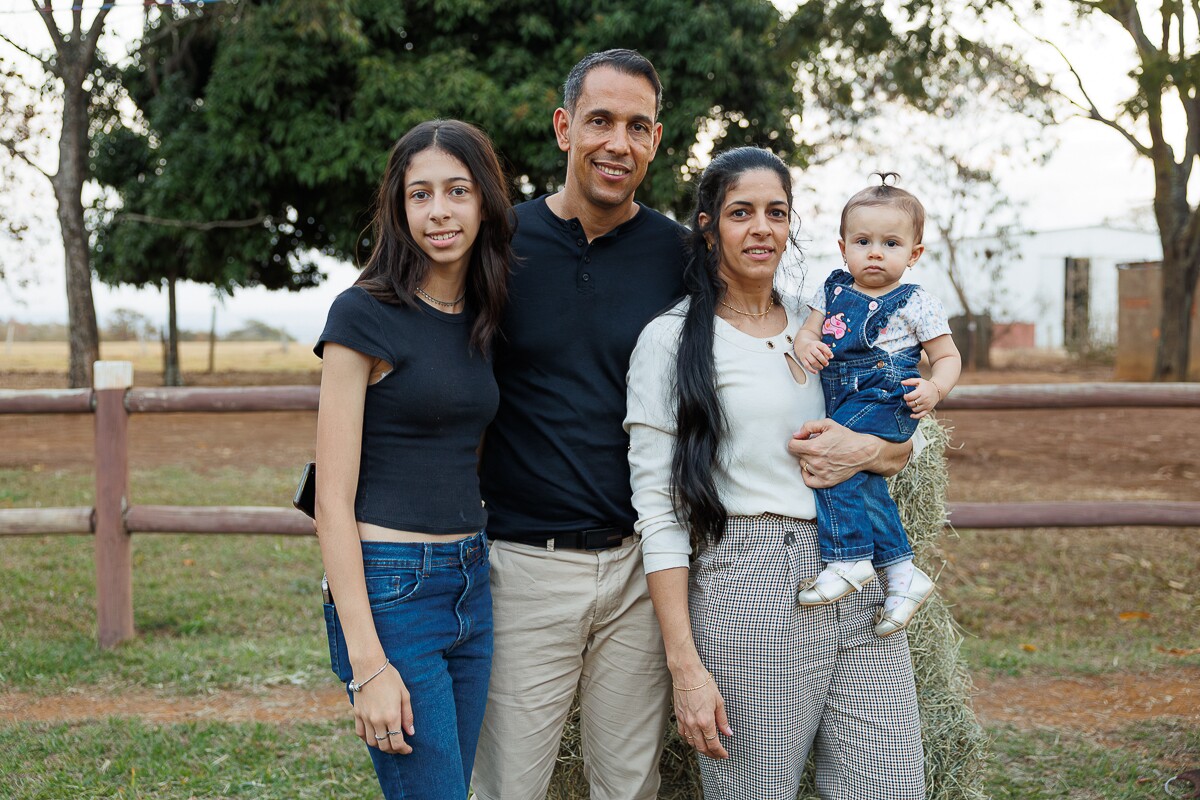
284	113
126	325
178	207
316	98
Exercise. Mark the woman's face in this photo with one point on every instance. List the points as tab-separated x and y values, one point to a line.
754	224
443	208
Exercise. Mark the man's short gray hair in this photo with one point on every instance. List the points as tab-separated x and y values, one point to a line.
631	62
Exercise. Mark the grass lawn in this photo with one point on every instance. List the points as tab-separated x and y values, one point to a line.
124	758
225	612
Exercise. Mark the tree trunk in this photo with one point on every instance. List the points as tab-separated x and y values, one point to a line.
171	373
84	336
1175	326
212	343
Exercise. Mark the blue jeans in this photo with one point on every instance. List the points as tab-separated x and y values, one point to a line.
432	606
857	519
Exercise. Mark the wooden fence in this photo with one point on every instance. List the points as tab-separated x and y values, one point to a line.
112	519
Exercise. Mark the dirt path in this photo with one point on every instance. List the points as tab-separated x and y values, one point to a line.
1088	704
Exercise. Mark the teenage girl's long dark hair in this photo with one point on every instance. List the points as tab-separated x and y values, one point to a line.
700	420
398	265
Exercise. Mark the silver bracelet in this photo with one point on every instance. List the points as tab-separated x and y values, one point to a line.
355	686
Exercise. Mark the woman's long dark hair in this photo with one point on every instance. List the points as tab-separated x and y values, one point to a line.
398	265
700	420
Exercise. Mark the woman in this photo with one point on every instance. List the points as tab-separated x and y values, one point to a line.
714	396
406	392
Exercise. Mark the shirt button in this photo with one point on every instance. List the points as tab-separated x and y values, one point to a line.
579	242
837	290
872	305
878	365
586	277
587	259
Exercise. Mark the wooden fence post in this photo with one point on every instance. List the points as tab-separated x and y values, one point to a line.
114	553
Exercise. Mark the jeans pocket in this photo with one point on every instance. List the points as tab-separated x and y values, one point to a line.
339	657
386	591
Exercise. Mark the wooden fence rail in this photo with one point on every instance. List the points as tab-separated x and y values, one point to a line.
112	399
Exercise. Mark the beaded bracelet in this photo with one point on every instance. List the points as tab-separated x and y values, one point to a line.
355	686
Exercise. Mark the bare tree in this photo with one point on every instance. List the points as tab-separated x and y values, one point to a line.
1165	38
74	66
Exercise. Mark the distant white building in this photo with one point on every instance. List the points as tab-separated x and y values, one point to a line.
1030	284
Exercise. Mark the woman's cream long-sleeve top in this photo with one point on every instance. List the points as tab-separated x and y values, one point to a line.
764	405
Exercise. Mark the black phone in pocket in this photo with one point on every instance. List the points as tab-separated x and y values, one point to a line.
306	491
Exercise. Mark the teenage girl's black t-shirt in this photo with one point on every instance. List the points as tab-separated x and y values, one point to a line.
423	421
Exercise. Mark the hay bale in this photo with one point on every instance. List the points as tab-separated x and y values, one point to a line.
955	744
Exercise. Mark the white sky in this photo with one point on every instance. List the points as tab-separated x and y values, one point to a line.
1094	175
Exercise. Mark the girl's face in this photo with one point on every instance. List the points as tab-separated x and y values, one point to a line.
443	207
879	246
754	224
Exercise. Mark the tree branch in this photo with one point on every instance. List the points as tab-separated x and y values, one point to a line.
189	224
46	11
45	62
93	34
1164	12
1091	111
76	20
11	147
1126	14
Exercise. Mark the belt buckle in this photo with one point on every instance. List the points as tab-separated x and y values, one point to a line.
602	538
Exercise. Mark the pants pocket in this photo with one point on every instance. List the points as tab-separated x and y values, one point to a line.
339	657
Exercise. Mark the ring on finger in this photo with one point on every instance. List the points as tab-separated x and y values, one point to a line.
710	738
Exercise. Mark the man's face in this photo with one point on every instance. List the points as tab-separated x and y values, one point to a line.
611	138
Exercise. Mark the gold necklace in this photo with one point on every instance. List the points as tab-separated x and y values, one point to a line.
750	313
433	299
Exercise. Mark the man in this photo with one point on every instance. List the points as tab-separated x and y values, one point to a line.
571	606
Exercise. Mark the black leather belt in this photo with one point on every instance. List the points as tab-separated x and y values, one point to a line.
593	539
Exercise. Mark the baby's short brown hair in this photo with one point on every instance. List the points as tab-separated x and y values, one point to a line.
888	194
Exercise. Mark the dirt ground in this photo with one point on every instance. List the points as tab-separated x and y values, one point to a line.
1078	454
1093	705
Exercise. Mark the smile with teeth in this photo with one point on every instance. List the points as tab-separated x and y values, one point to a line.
443	237
758	251
616	172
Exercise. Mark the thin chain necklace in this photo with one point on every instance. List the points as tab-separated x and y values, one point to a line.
750	313
433	299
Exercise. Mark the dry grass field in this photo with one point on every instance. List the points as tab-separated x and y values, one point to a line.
48	358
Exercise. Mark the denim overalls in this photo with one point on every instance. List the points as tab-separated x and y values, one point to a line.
857	519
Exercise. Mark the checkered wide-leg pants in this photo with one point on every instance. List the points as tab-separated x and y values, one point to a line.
798	678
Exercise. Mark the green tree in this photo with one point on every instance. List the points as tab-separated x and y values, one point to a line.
315	93
177	207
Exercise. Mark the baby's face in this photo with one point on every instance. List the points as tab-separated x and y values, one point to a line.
880	245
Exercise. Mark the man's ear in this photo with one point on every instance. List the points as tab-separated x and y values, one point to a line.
562	129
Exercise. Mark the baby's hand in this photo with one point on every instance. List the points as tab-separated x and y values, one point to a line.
813	355
923	398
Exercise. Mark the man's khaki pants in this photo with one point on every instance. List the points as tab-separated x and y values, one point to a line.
567	620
